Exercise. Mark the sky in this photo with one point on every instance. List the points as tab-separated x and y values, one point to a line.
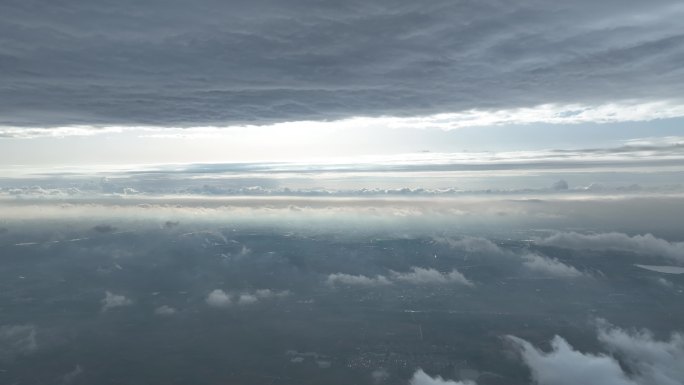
122	82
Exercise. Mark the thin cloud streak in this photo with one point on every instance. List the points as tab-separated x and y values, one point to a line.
629	111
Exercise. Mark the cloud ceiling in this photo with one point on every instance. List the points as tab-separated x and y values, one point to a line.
175	63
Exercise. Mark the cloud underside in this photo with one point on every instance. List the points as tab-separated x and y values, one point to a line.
416	276
210	63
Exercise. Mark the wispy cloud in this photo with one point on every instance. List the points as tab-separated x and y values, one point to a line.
17	340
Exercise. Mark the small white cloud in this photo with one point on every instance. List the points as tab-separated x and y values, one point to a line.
218	298
244	251
165	310
472	245
112	300
247	299
356	280
419	276
422	378
550	266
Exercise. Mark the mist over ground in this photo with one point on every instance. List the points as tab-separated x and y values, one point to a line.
484	289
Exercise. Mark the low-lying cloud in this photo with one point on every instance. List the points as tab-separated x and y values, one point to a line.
549	266
111	301
421	276
165	310
415	276
642	244
356	280
633	358
422	378
531	261
221	299
472	245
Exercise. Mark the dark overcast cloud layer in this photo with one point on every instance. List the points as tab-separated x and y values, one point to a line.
216	62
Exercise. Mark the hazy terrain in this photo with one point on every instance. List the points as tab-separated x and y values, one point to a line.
283	290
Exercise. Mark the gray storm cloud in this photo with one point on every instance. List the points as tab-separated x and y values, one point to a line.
215	63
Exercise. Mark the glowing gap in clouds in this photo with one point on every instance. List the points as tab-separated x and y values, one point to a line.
630	111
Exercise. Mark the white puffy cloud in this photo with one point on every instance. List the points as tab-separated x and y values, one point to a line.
112	300
643	244
247	299
419	275
422	378
219	298
564	365
356	280
549	266
646	361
